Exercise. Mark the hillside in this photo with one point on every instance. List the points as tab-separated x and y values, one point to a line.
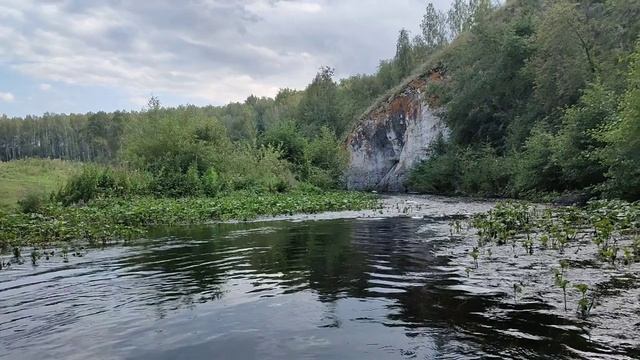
538	98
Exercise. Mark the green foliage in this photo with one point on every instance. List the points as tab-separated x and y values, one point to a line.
622	151
113	219
563	62
286	137
437	174
608	224
550	86
403	54
488	86
31	204
453	170
433	27
534	167
325	160
172	141
94	181
319	105
261	169
575	147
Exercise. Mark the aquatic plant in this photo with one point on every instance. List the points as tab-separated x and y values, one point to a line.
455	227
528	245
65	254
603	230
35	256
561	281
517	288
628	255
110	220
475	253
609	253
584	304
4	265
544	241
612	226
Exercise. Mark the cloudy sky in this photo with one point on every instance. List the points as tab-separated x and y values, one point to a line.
89	55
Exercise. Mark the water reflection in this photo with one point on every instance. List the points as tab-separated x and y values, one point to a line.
331	289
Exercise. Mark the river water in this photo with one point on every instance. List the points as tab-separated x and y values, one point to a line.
331	288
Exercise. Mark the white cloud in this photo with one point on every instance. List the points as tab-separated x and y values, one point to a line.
205	50
44	87
7	97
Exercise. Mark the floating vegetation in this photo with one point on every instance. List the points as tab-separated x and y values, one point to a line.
106	221
603	234
584	304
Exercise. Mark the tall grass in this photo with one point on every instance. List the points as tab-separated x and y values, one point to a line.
20	178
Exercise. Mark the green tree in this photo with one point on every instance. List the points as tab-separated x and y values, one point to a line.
326	160
575	146
319	106
403	59
564	61
433	25
622	152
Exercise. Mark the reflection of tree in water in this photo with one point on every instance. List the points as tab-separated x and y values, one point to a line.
329	257
347	258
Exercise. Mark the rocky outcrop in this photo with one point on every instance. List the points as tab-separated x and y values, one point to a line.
392	138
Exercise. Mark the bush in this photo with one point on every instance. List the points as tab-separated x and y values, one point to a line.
535	168
483	172
621	155
436	175
261	169
211	183
286	137
453	170
574	145
95	181
31	204
325	161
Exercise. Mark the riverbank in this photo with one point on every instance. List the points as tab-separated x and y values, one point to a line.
39	177
115	219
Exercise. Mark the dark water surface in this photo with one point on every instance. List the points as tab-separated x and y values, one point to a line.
336	289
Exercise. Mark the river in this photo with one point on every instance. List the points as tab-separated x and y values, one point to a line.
384	284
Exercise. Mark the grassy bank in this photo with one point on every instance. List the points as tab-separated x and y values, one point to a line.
31	176
114	219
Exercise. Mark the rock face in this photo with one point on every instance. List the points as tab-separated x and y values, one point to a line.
393	138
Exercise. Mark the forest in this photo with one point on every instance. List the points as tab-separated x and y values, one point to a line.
541	97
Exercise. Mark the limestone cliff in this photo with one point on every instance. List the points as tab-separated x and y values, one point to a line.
393	137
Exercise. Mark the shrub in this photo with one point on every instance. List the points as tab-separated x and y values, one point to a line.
436	175
453	170
95	181
261	169
286	137
574	145
211	183
32	203
483	172
535	168
621	154
325	161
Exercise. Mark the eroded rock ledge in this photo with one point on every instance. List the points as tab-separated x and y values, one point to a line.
391	139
